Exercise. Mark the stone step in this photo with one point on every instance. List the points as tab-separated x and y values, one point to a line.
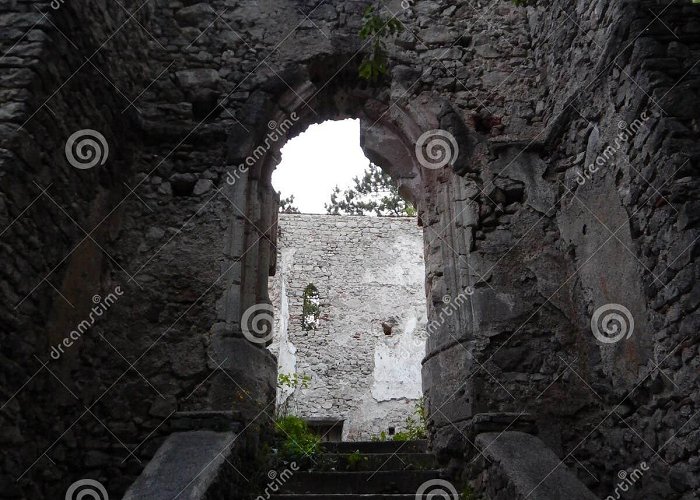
358	482
367	447
376	461
183	466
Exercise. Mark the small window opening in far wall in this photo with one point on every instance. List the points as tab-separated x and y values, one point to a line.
310	308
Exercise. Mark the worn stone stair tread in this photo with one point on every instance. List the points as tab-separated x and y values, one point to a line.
345	496
366	447
407	481
183	466
379	461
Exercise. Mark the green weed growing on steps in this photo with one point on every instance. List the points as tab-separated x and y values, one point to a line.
355	459
467	493
297	441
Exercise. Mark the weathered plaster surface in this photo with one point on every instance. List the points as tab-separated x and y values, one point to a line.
369	272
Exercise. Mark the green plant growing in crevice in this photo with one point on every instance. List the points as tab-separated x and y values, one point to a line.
298	443
293	380
467	493
376	29
416	425
290	381
380	437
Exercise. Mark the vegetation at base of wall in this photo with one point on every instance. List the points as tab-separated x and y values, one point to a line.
415	426
297	442
376	28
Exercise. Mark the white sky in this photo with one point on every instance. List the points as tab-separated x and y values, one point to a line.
316	160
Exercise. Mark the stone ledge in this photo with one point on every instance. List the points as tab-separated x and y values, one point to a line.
501	422
219	421
188	465
515	466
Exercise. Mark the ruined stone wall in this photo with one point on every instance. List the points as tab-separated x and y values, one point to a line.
532	95
608	228
364	357
57	73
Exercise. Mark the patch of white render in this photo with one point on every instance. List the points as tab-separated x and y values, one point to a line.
282	346
397	363
370	274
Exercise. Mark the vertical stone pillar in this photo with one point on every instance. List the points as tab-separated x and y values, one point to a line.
245	372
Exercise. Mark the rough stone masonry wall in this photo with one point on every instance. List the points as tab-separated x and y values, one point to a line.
369	273
621	234
533	95
56	74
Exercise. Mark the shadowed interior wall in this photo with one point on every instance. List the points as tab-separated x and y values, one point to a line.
185	93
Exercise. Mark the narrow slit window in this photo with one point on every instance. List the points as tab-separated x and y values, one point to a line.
310	308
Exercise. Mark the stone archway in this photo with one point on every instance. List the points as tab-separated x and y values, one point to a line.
389	134
536	246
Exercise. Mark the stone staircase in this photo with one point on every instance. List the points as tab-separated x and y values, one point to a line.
386	470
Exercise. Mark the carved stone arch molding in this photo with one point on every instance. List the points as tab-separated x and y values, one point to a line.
389	132
391	127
